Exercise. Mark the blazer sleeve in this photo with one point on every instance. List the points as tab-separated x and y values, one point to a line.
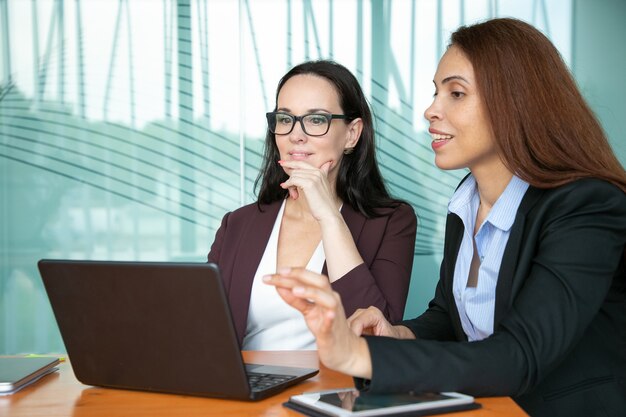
216	247
570	264
384	280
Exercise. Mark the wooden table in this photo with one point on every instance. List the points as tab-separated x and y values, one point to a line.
60	394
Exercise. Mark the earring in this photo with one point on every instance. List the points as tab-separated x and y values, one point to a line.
348	151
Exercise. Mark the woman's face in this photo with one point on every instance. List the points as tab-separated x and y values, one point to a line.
305	94
461	133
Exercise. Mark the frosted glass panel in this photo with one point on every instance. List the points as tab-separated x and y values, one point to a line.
129	128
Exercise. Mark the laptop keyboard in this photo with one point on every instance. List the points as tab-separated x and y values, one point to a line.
260	382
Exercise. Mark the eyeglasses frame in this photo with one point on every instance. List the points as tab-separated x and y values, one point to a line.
329	117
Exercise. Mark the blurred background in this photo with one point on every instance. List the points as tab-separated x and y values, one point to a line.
128	128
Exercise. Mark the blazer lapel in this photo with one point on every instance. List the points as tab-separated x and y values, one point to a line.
249	254
453	239
510	257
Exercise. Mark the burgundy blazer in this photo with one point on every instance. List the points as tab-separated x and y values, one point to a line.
385	243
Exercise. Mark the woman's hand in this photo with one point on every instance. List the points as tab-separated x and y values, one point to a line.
339	348
305	179
315	188
371	321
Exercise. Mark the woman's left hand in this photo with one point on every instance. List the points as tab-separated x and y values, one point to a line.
305	179
339	348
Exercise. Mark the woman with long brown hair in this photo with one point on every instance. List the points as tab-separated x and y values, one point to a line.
531	300
323	205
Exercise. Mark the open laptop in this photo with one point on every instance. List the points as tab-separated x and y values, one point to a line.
155	326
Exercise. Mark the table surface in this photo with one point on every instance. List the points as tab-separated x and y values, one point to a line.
60	394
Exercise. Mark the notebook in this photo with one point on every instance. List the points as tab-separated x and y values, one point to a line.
19	371
155	326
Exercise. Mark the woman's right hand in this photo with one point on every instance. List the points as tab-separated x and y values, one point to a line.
311	294
312	183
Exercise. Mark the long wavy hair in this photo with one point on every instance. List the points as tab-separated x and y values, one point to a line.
359	182
545	131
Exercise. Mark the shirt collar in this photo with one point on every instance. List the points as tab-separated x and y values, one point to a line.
502	214
463	195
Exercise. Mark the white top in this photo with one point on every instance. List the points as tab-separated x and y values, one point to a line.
476	305
272	323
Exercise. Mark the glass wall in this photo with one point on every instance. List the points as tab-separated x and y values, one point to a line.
129	128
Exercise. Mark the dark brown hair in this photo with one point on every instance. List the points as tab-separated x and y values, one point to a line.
545	131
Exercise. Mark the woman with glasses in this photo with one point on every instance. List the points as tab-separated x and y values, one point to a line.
323	206
531	299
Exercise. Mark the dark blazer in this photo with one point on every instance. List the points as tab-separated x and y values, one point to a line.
559	341
385	243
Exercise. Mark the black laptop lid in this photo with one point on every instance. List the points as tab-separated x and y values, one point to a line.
147	325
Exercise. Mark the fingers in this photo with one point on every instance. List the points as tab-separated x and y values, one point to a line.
370	321
326	167
305	285
304	179
309	293
302	165
299	304
311	183
322	310
303	174
305	276
293	192
356	322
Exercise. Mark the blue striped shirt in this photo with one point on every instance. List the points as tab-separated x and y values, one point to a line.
476	304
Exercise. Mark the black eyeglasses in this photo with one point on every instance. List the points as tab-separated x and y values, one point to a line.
313	124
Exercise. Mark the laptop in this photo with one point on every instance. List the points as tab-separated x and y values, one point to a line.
17	372
155	326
